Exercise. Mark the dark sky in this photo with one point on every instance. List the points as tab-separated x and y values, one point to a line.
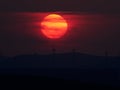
61	5
94	26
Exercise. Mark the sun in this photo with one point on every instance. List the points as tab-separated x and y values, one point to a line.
54	26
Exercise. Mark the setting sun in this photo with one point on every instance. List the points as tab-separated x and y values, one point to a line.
54	26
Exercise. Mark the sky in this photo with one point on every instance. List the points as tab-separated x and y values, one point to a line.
93	26
105	6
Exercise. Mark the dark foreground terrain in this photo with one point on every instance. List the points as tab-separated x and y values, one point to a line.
60	71
37	82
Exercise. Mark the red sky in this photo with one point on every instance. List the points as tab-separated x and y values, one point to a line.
88	33
93	26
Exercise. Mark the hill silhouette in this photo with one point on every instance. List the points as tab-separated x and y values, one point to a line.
66	68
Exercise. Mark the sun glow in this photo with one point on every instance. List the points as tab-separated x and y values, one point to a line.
54	26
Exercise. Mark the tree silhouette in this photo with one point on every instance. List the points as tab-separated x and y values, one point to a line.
1	54
73	51
53	51
106	53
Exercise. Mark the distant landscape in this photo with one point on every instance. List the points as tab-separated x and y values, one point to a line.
65	68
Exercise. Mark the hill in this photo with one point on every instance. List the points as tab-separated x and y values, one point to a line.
76	67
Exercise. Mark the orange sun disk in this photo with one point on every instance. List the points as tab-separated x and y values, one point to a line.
54	26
